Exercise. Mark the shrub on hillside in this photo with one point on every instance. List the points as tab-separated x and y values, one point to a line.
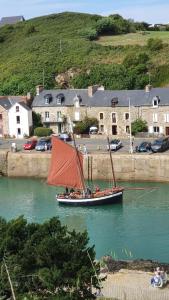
42	131
154	44
89	34
138	125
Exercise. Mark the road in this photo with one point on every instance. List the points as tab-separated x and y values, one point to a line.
91	144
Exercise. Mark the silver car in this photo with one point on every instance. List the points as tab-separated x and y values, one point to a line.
115	145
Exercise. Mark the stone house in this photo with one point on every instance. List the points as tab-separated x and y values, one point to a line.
61	109
11	20
15	117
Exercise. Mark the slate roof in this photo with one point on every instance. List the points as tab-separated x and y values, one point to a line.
11	20
103	98
8	102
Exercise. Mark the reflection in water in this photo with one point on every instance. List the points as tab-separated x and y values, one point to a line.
138	227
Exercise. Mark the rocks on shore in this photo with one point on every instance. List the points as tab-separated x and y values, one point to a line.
111	265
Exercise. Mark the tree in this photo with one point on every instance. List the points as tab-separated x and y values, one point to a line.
138	125
36	119
82	127
46	260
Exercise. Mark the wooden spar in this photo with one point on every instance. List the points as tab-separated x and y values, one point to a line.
79	164
88	170
114	180
140	188
91	168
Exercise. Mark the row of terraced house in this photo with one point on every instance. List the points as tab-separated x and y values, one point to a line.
61	109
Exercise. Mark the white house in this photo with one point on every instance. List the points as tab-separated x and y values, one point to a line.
20	120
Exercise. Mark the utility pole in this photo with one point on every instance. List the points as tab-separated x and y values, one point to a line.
43	77
131	143
9	279
60	46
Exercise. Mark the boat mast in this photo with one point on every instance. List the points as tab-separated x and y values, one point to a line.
79	165
112	167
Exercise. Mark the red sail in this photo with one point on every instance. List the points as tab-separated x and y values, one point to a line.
66	165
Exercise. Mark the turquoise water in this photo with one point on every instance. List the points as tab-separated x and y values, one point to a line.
138	228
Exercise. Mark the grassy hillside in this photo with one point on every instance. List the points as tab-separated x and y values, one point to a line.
138	38
54	44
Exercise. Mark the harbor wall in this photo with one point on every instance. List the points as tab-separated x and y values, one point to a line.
144	167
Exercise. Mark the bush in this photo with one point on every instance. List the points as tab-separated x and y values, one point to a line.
42	131
82	127
89	34
138	125
154	44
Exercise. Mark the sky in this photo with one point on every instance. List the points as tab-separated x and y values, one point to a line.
151	11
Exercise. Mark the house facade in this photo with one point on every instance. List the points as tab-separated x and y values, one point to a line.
15	118
115	110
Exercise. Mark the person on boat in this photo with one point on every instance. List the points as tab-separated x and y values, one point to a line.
88	192
66	190
97	189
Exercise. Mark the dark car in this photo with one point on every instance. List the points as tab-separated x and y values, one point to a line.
43	144
30	144
65	137
144	147
160	145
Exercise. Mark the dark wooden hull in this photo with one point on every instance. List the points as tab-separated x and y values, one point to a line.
104	200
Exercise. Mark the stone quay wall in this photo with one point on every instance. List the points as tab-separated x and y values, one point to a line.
143	167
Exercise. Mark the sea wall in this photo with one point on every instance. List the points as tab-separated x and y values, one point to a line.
148	167
3	163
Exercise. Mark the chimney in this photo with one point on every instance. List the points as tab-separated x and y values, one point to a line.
39	89
92	89
148	88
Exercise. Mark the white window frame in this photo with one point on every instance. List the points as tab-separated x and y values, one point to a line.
114	113
155	118
166	118
156	129
77	116
126	113
100	114
155	99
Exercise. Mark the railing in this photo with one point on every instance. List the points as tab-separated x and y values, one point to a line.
54	119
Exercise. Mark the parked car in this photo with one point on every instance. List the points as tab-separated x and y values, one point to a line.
65	137
30	144
43	144
160	145
144	147
115	145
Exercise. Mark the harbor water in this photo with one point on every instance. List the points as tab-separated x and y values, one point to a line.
137	228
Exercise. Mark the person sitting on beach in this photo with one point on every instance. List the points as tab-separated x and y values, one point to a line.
159	278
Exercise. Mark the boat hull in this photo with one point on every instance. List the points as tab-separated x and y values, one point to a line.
104	200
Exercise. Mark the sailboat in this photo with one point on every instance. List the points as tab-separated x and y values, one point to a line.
66	170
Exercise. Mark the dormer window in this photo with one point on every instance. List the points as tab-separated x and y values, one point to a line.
48	98
77	101
114	101
156	101
59	99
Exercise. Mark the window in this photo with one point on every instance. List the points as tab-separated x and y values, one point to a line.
17	108
46	114
102	128
18	119
59	101
166	117
101	116
127	129
156	101
113	117
156	129
127	116
46	100
18	131
0	117
155	118
77	115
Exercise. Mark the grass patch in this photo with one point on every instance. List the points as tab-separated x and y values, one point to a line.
139	38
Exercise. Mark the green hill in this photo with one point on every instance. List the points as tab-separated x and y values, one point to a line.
55	44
